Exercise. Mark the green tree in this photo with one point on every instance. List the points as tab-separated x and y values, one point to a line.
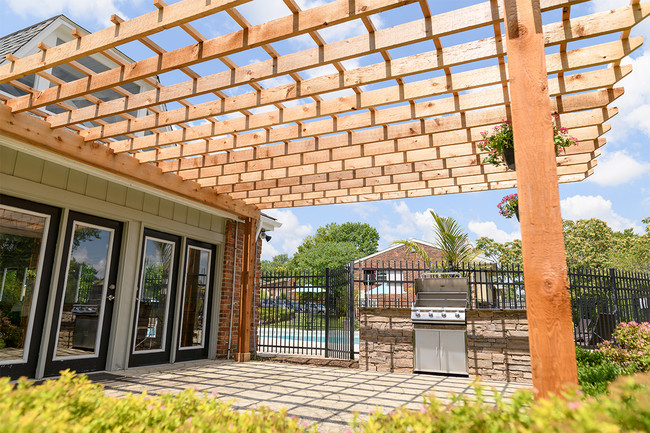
450	238
508	253
279	263
588	243
326	254
363	236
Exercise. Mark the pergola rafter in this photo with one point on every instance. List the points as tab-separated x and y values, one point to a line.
270	134
403	121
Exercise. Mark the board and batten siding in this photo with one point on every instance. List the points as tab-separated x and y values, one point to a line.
31	176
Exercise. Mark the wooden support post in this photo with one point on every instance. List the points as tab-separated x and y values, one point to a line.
552	346
247	289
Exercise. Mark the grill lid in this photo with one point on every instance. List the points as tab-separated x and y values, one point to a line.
441	289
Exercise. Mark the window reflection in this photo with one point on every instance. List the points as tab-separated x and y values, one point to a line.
153	295
195	297
21	239
84	291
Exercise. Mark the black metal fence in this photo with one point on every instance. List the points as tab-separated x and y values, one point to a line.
307	314
600	298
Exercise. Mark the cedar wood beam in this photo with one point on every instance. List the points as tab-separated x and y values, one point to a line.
127	31
551	340
329	14
576	59
27	128
580	26
416	31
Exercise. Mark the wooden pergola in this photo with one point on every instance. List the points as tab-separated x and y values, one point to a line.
246	147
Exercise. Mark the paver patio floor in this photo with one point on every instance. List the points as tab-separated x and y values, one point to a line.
324	395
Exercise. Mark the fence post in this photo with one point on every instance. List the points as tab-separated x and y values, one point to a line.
351	309
327	311
612	284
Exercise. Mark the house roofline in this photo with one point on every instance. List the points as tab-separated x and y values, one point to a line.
425	243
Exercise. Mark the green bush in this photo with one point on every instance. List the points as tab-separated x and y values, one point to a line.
630	346
625	409
595	371
72	404
275	315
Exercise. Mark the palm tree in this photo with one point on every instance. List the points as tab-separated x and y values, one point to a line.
449	238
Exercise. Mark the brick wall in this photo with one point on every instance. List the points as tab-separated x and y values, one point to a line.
229	274
497	343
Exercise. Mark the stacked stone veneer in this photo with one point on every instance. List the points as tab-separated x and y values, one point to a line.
497	343
386	340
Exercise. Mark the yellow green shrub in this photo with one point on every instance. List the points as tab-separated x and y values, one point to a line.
625	409
73	404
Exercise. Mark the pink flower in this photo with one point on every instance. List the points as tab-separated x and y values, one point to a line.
574	405
151	406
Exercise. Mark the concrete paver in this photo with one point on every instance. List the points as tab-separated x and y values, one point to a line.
324	395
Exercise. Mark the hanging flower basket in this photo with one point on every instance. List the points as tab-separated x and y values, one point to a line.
500	143
509	206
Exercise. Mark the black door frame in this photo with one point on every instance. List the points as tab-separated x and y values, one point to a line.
85	364
164	355
187	354
28	368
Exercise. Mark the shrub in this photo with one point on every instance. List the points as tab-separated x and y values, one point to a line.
72	404
625	409
630	346
595	371
275	315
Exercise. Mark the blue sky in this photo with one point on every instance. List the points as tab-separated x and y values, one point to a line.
618	192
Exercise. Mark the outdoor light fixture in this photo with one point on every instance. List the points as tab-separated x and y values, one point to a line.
264	236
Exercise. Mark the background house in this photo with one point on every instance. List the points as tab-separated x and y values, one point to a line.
386	277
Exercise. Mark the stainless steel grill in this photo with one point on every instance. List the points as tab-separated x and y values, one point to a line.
440	298
438	315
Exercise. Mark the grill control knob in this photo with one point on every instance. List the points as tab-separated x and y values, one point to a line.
443	314
430	313
417	314
457	314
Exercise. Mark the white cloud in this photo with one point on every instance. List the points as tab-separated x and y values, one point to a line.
590	206
99	10
617	168
407	224
287	238
489	229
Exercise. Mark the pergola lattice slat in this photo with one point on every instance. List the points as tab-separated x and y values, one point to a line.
409	33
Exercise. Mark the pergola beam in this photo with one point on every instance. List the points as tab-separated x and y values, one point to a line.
388	38
552	345
578	173
170	16
36	132
582	58
231	168
329	14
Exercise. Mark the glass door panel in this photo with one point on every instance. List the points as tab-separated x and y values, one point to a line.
84	291
85	295
195	298
22	248
153	299
28	233
195	307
